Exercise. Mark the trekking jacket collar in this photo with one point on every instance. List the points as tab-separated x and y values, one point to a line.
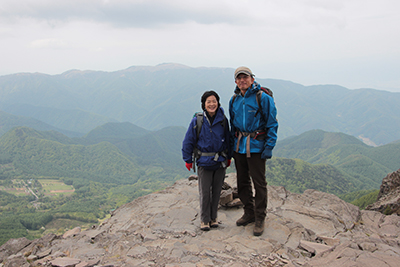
218	117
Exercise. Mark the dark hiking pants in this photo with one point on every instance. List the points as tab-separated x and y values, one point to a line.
210	186
252	169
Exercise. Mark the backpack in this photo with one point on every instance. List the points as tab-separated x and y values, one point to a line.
258	97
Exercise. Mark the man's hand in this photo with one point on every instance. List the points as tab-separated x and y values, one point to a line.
266	154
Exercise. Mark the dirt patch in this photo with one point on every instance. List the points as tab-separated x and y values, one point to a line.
62	191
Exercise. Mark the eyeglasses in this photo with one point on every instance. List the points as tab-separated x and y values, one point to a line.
242	76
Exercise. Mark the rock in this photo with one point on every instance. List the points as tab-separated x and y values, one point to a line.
193	177
234	203
329	241
17	260
162	229
388	201
72	232
65	262
89	263
226	197
45	253
32	258
314	248
13	246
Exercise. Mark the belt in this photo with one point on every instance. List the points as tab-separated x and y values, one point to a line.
246	134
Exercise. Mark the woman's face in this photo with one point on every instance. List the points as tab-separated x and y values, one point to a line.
211	105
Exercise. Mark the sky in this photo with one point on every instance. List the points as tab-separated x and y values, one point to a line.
352	43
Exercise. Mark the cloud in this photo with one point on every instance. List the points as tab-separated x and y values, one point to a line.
49	43
122	13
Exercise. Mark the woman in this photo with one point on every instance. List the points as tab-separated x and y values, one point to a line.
213	155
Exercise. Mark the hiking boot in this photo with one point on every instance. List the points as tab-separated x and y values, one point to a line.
245	220
205	226
214	223
259	228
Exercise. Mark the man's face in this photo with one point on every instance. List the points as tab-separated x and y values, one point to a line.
244	81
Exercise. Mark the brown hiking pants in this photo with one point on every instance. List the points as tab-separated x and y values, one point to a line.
252	169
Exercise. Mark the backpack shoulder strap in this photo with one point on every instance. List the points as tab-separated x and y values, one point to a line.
233	98
199	123
224	121
258	97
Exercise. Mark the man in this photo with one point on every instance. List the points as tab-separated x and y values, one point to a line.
254	132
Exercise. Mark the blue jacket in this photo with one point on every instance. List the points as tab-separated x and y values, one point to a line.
242	118
212	138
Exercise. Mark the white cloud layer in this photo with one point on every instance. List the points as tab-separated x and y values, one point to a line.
352	43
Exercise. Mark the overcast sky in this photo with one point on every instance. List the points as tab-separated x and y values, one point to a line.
353	43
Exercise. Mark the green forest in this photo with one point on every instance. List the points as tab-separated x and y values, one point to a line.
36	167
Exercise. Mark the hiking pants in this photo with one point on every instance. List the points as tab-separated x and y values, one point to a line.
210	186
252	169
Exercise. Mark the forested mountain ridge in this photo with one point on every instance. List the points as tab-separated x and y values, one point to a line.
344	152
169	94
9	121
113	153
45	154
297	175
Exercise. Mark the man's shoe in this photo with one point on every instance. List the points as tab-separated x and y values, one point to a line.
214	223
245	220
205	226
259	228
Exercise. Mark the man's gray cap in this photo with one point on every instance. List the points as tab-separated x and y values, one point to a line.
244	70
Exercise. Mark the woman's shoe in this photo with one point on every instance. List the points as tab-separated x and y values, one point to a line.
214	223
205	226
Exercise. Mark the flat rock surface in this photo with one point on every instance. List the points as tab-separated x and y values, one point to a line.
163	229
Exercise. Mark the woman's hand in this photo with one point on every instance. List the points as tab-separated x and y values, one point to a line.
189	166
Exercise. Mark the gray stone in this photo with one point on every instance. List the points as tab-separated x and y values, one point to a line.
193	177
13	246
65	262
72	232
389	195
314	248
89	263
17	260
137	251
44	253
226	197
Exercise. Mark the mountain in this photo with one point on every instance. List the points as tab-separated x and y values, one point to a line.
119	153
78	120
51	154
169	94
114	132
345	152
297	176
9	121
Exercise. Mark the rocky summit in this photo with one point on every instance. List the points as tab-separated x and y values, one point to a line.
388	201
163	229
